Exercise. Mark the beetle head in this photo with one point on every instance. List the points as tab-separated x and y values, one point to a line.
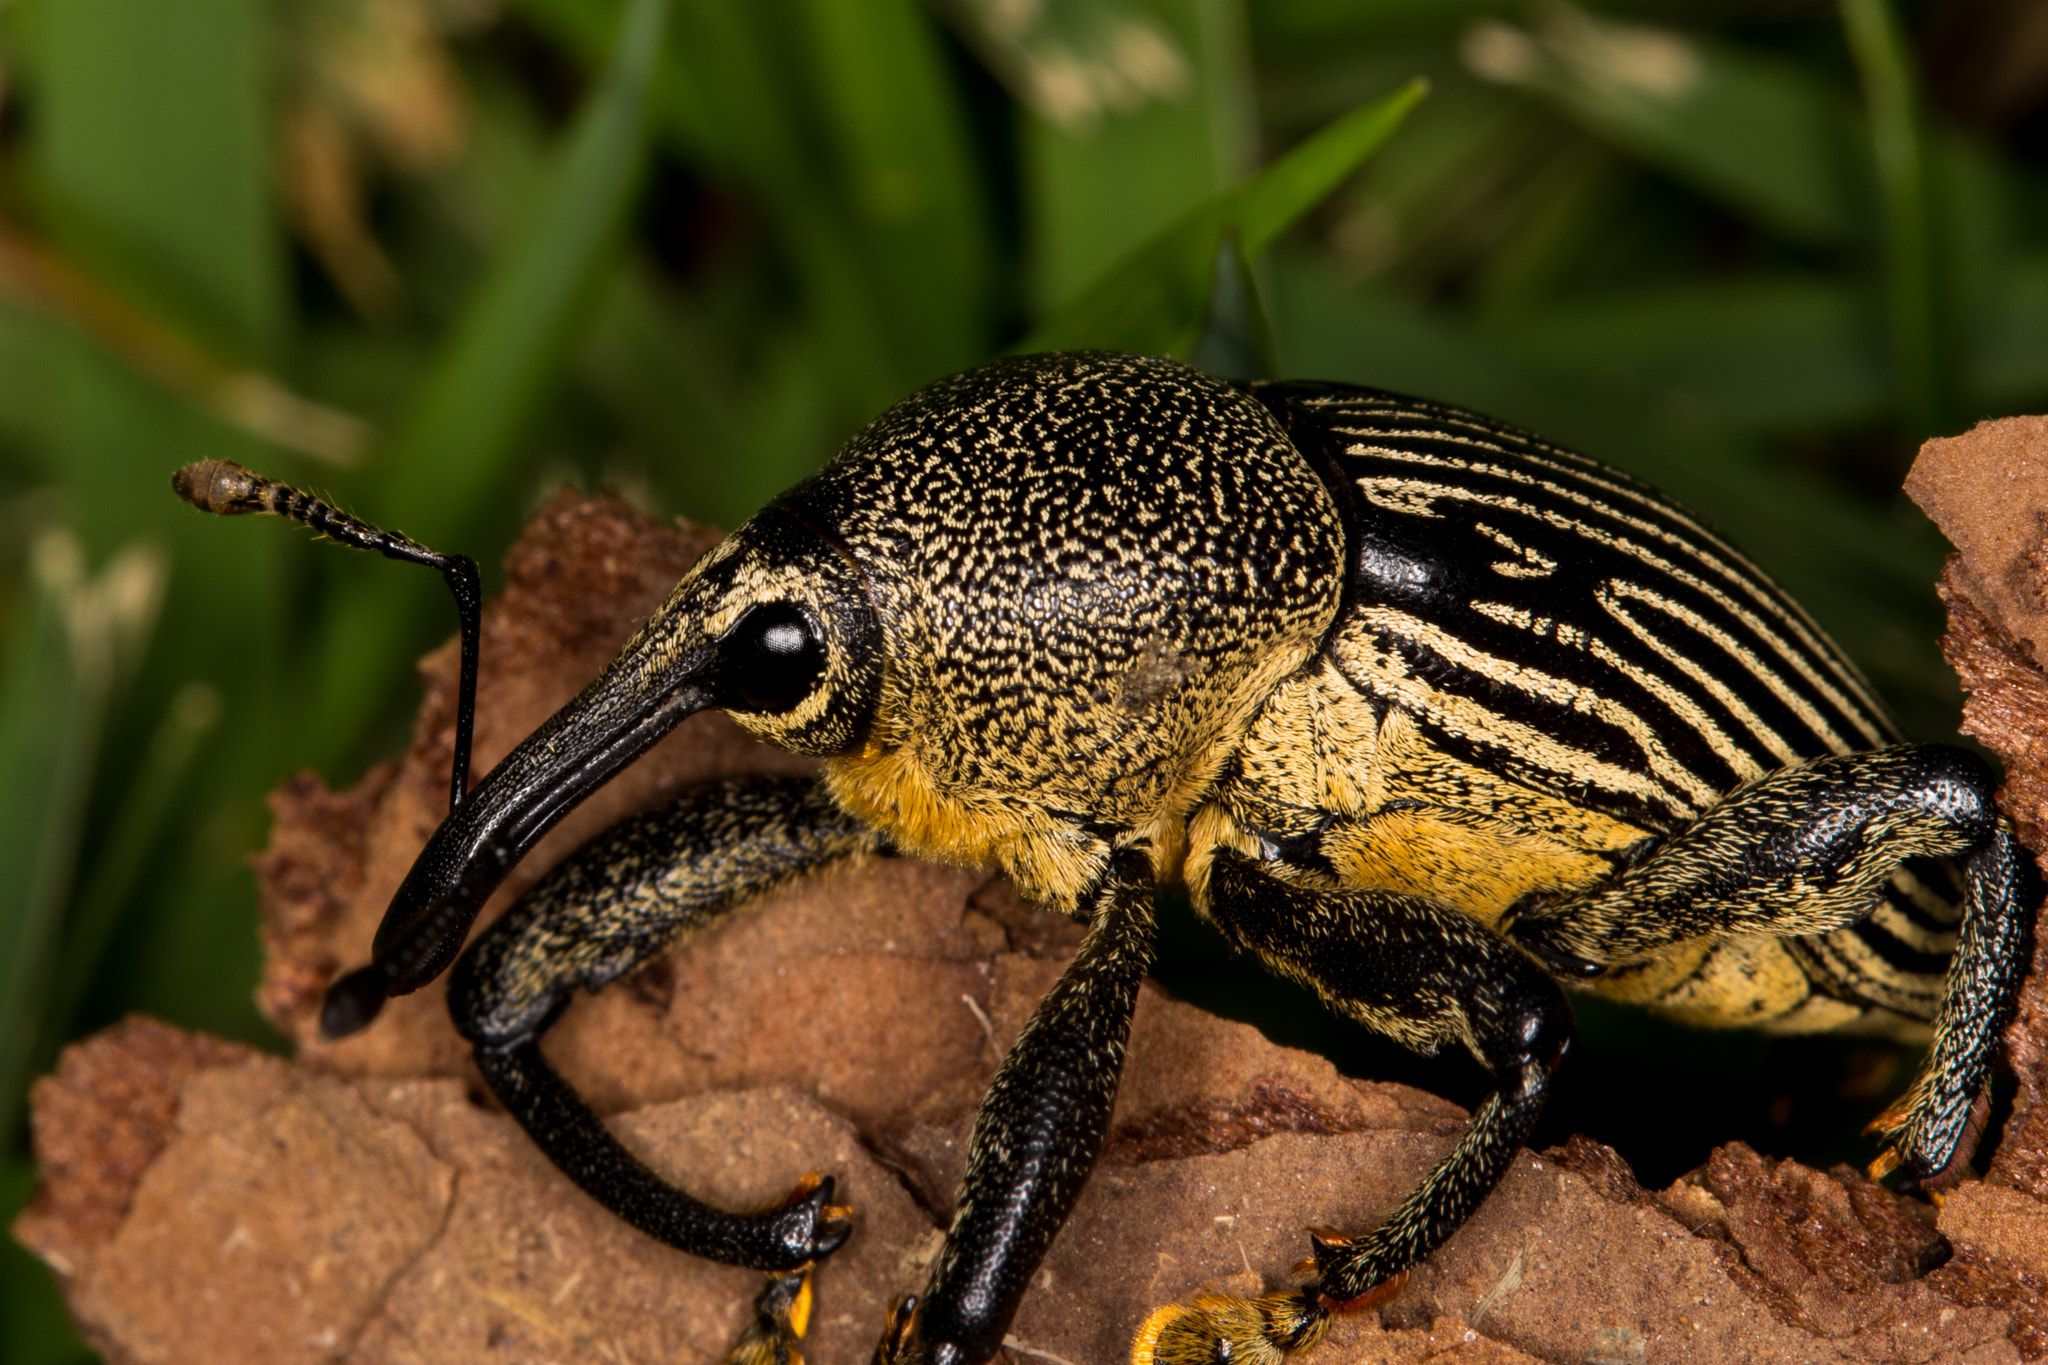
773	625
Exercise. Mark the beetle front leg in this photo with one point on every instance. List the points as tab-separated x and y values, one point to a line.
1036	1138
1809	850
1425	975
648	883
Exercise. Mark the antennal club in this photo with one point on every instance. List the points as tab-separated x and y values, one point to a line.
227	489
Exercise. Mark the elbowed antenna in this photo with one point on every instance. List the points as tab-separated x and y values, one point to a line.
227	489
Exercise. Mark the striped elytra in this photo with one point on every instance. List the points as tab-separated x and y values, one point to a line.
1574	598
1506	588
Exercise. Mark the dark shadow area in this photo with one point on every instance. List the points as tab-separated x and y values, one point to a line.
1662	1095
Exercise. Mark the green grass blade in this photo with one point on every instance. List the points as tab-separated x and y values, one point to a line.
151	116
2008	340
852	150
76	644
47	750
894	127
457	443
1765	137
123	856
753	108
1236	337
1115	151
155	123
1297	182
493	372
1156	300
1764	352
1898	141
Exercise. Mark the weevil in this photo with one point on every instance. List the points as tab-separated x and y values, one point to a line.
1427	714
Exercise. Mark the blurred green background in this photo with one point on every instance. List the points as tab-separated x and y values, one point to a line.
440	257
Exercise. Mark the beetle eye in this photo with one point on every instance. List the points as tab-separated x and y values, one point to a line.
772	659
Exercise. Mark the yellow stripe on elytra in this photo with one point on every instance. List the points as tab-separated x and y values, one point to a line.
1740	982
1681	705
1929	902
1610	595
1464	715
1900	926
1862	968
1743	572
1800	660
1533	564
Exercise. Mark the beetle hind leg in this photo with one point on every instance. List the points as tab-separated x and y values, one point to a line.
1808	851
1425	975
1930	1132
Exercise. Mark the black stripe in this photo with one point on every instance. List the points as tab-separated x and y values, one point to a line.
1408	424
1898	954
1600	739
1914	993
1535	558
1747	592
1942	879
1434	562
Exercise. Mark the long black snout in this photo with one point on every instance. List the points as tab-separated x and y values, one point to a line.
646	692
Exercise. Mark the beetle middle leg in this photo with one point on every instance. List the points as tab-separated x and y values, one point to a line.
1425	975
1037	1135
1808	850
648	883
